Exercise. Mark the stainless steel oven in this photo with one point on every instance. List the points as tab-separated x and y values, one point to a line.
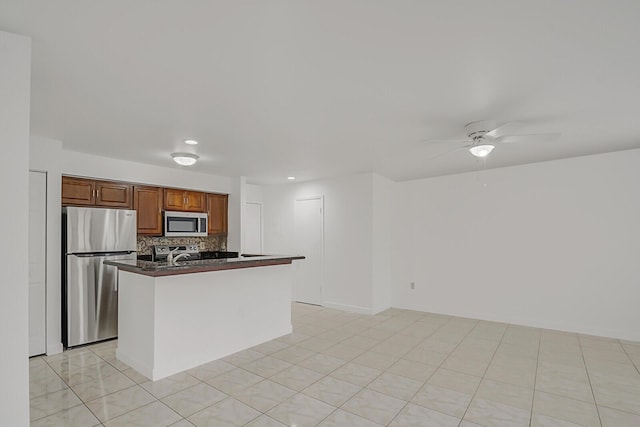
185	224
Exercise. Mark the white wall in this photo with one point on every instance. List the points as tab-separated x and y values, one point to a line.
253	193
348	239
553	244
382	207
44	156
236	202
15	80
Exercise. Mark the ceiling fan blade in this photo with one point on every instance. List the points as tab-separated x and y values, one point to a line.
446	153
453	141
503	130
534	137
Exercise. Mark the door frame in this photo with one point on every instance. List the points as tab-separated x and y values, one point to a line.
322	243
261	225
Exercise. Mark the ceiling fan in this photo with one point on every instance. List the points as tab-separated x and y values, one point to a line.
483	136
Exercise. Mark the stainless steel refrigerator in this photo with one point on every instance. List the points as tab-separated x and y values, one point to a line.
90	288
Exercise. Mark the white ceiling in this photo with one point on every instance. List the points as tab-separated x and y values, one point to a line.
324	88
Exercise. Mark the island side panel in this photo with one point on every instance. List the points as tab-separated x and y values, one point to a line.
136	321
201	317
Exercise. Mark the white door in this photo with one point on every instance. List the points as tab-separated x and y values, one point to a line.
252	229
309	238
37	261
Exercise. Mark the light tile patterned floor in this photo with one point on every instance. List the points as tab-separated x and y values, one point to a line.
398	368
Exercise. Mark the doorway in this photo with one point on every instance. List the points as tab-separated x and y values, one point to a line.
309	241
37	262
252	229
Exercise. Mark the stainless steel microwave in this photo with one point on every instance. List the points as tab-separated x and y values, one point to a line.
185	224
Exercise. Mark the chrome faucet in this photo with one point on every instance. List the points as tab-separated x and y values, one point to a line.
170	256
175	259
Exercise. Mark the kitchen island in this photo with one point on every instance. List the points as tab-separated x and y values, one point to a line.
173	317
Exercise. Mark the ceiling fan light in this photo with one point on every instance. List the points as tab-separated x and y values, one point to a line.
185	159
481	150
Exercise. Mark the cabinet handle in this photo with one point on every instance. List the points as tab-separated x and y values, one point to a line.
97	194
93	192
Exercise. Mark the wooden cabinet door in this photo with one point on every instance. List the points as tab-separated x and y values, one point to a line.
113	194
147	201
195	201
174	200
77	191
184	200
217	209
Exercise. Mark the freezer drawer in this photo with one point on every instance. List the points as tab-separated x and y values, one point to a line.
91	298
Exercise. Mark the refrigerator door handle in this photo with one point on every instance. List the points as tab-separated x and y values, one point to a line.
117	280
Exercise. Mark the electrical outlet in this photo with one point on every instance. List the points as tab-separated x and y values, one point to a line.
412	285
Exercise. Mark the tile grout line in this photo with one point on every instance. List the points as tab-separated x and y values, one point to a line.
83	403
297	364
376	329
349	361
292	365
483	374
535	378
629	357
117	391
71	390
412	348
439	366
586	368
108	394
372	380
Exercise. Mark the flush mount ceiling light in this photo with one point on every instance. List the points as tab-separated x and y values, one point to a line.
481	150
291	178
191	142
185	159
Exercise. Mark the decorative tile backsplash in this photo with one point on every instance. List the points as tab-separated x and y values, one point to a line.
209	243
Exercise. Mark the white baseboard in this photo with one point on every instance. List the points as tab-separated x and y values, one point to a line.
380	310
349	308
54	348
631	335
144	370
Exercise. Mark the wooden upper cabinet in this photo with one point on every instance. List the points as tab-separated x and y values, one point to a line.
173	199
78	191
217	209
184	200
113	194
89	192
196	201
147	201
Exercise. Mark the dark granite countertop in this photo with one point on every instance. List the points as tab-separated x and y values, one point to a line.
202	255
155	269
